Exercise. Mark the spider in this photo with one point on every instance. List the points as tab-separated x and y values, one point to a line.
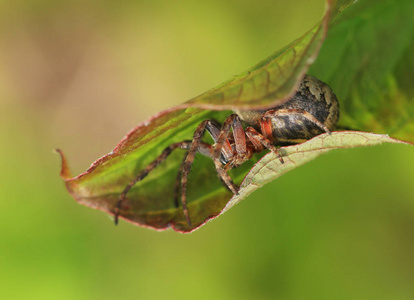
313	110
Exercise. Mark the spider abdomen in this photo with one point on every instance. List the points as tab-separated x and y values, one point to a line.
313	109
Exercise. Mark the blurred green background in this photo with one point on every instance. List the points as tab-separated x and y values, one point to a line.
79	75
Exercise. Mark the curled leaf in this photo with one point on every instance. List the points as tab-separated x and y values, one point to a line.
150	202
160	213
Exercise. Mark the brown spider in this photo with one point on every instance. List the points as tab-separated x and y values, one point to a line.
311	111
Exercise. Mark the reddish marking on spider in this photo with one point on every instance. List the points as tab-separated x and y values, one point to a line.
311	111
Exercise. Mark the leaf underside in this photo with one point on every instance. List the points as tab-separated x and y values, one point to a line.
352	53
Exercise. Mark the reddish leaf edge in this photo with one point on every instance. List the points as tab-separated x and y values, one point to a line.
119	150
231	203
66	176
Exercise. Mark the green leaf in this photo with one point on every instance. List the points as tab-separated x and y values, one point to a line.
270	168
368	101
274	79
368	61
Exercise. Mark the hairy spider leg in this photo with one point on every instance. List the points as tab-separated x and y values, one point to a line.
177	183
232	122
257	138
285	112
163	156
257	145
225	149
205	149
214	130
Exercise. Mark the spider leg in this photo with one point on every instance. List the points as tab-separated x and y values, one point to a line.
177	183
198	146
164	154
258	139
232	122
206	150
188	161
284	112
214	131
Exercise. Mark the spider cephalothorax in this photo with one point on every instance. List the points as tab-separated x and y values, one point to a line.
313	110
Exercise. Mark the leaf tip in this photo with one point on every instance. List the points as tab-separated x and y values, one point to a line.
65	171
